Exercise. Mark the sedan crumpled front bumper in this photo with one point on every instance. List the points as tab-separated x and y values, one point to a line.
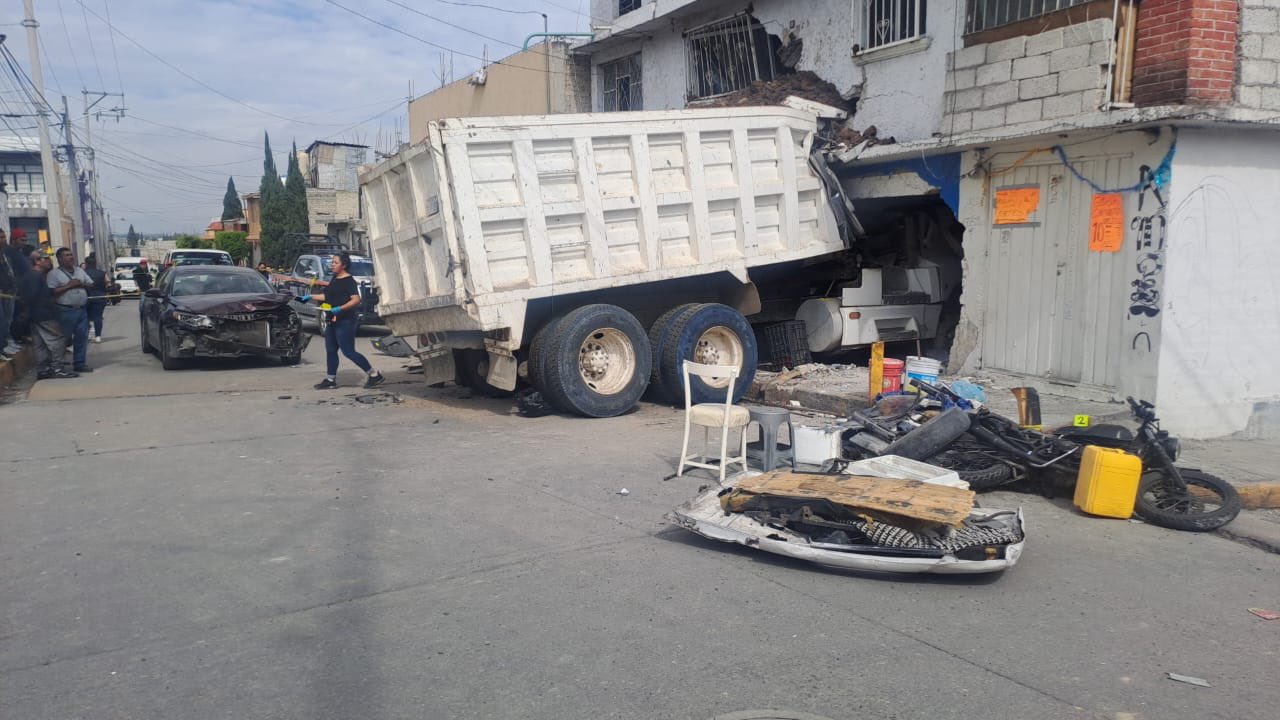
264	334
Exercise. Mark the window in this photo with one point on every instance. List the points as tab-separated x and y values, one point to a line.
726	56
886	22
620	84
985	14
20	179
626	6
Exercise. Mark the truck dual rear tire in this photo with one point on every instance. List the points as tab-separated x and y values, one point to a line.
710	334
594	361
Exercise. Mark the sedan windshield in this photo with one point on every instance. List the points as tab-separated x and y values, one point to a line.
219	284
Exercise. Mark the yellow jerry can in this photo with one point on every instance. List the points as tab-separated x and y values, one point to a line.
1107	483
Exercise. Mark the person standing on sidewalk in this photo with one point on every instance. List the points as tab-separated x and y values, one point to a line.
97	304
46	321
70	291
343	295
8	295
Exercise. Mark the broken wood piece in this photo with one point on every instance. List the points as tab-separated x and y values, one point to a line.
785	377
1259	496
902	498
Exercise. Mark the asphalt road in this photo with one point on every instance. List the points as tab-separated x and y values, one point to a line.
192	545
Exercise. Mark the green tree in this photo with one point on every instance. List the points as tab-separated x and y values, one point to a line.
132	237
231	202
183	241
295	187
274	211
233	242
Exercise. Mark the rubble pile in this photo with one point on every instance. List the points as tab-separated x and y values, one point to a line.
803	84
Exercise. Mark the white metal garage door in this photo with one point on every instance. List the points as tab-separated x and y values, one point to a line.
1054	308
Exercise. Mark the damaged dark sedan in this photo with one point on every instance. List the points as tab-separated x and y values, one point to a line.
219	311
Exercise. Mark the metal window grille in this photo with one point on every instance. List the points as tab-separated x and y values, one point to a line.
626	6
891	21
620	87
986	14
726	56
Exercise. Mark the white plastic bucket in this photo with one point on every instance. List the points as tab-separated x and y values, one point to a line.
921	368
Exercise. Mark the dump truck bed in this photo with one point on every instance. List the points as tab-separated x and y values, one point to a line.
487	214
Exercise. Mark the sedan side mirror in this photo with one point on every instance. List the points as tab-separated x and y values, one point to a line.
154	293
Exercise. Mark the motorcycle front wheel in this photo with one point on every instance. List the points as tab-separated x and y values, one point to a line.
1208	502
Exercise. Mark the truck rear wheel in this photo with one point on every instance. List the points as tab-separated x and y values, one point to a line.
658	341
473	371
595	361
711	334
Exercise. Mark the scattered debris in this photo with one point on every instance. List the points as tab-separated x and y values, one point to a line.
1260	496
1265	614
392	345
624	491
378	399
805	84
1188	679
531	404
284	397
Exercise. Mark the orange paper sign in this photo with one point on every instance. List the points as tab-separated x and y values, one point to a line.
1014	206
1106	223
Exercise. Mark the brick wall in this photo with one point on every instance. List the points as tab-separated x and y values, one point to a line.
1054	75
1185	52
1259	85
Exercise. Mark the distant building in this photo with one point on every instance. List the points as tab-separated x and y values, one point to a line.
27	203
516	85
333	192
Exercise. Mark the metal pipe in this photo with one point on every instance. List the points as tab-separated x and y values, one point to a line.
529	39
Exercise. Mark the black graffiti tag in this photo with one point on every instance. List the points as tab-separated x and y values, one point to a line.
1151	230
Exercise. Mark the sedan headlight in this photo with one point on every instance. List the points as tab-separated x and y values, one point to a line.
193	320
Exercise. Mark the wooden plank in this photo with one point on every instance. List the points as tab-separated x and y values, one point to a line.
905	498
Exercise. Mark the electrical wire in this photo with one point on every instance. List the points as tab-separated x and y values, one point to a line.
446	22
114	56
188	75
70	47
93	51
436	45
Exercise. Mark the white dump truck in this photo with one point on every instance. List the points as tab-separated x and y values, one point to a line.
592	254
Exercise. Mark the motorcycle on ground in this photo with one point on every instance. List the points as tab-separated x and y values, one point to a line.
996	451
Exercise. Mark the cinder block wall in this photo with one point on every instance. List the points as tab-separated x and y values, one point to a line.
1054	75
1259	85
1186	52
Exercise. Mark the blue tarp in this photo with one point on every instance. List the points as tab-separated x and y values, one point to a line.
940	171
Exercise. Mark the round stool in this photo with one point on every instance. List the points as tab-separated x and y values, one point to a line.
767	451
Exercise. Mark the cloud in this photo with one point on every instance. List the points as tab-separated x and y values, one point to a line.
300	70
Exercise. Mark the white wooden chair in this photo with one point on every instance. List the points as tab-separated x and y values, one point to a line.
724	415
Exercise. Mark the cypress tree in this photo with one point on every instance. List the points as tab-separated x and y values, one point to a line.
295	188
231	209
274	210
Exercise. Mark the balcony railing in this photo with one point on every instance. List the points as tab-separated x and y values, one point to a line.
28	201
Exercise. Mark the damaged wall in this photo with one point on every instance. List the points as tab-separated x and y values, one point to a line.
1221	331
1038	302
901	94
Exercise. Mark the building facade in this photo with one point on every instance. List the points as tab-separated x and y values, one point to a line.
546	78
1106	167
333	192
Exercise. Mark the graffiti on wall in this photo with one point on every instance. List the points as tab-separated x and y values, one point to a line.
1151	227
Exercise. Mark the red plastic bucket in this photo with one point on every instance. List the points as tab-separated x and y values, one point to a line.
892	375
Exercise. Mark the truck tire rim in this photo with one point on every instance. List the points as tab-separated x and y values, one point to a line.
607	361
718	346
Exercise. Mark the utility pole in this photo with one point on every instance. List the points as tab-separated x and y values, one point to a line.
52	183
77	207
97	221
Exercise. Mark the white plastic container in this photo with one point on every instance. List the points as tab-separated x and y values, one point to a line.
921	368
816	444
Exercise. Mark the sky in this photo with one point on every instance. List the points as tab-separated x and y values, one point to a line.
202	80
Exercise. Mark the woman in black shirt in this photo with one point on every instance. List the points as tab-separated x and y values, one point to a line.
343	295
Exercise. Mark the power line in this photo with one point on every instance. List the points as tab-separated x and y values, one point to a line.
188	75
436	45
446	22
92	50
70	48
119	79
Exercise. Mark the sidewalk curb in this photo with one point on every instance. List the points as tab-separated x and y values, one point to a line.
1254	531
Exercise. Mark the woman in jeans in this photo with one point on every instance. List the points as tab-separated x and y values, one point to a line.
343	295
